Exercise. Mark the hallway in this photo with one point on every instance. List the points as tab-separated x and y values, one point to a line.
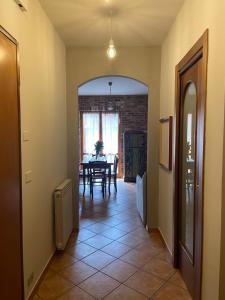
112	256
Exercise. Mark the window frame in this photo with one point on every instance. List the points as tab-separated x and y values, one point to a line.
81	134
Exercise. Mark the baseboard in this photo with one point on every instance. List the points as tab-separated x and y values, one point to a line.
158	230
40	278
167	246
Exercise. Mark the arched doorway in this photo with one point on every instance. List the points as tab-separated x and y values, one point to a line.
109	107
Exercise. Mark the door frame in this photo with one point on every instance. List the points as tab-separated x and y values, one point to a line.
14	41
198	51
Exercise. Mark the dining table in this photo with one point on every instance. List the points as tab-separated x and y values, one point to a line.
85	165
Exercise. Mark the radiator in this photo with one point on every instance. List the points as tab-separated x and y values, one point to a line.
141	201
63	213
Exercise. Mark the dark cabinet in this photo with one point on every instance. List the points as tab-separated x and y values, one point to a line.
135	154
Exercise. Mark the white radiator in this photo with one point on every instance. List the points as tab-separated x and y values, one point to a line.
63	213
141	200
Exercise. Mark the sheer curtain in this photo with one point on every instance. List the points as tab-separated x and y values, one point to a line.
90	131
110	132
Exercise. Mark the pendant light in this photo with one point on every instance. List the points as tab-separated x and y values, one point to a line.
110	105
111	51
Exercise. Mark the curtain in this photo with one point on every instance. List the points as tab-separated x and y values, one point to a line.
90	132
110	132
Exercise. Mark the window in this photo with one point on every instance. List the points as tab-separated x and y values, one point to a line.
90	131
110	131
99	126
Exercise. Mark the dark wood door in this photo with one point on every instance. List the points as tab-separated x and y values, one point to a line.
11	274
189	165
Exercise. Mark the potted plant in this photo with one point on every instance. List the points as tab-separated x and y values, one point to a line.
98	148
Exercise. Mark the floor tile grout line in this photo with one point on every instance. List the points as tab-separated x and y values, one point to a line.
95	274
165	283
134	288
77	284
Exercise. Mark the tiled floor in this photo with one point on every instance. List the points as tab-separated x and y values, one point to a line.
112	256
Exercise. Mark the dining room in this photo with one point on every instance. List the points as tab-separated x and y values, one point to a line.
112	141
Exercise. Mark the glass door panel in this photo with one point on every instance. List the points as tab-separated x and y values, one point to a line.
188	159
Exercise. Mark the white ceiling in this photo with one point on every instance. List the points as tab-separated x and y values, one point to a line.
120	86
85	23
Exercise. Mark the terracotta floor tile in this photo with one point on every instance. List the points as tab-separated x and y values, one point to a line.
76	294
160	268
98	260
86	222
98	227
98	241
119	270
120	208
99	285
148	250
81	250
116	249
84	234
125	293
130	240
178	280
136	258
123	216
112	221
61	261
149	243
53	287
78	272
144	283
165	255
48	273
172	292
113	233
142	233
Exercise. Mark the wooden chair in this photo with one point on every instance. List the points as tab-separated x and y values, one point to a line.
97	173
114	171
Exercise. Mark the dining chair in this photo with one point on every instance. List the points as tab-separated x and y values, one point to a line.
97	173
114	172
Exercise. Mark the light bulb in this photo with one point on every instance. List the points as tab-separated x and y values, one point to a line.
111	51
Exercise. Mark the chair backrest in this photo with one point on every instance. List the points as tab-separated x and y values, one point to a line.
98	166
115	164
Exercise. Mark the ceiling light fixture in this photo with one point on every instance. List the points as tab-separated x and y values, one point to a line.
111	51
110	105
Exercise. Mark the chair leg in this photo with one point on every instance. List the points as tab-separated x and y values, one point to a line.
91	188
103	189
115	183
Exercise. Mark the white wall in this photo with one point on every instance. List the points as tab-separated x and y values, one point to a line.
43	111
139	63
194	18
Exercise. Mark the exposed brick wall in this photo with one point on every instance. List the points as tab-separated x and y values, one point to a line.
133	111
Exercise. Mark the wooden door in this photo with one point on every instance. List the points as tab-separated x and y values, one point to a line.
189	165
11	274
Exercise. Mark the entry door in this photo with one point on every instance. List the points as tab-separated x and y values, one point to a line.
191	91
11	274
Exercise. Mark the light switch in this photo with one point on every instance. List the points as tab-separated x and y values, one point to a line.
28	176
26	136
